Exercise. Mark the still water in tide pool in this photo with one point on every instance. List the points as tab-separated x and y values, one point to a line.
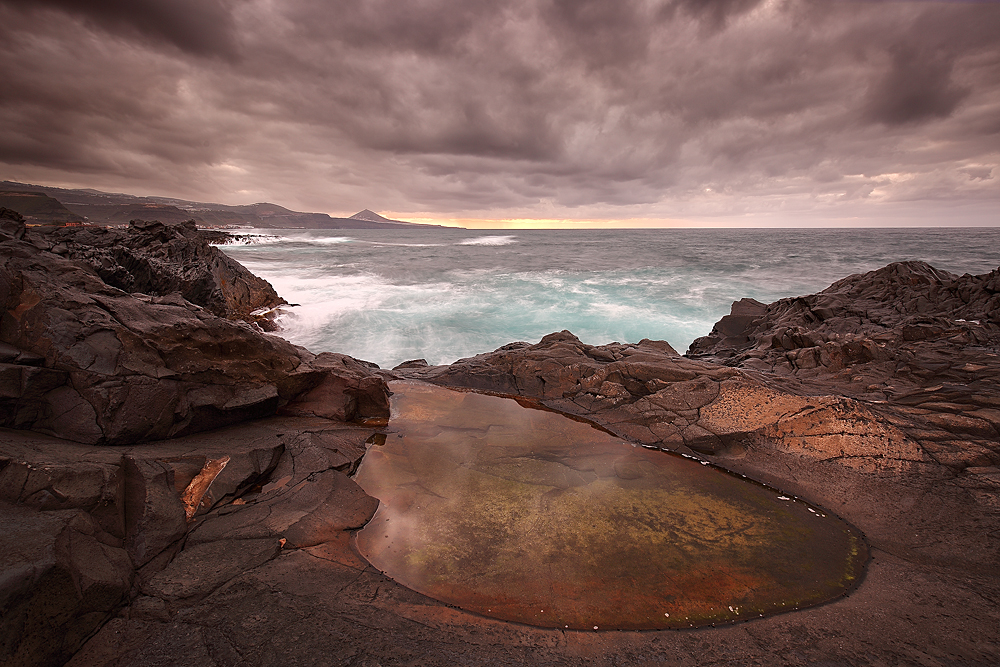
526	515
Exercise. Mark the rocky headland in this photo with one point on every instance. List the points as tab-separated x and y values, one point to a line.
45	205
175	481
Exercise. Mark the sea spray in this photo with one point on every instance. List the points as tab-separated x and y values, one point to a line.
441	294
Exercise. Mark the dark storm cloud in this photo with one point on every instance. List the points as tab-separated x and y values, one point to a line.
713	13
919	83
917	87
602	34
429	27
203	27
508	107
108	107
413	78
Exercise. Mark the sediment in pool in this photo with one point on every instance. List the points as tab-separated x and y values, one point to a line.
527	516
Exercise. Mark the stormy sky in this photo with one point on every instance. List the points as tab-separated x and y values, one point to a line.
734	112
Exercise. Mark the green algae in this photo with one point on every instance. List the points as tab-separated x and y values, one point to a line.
527	516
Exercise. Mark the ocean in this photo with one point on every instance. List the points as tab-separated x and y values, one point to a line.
389	296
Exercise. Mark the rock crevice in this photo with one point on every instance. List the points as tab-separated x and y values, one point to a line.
89	362
217	529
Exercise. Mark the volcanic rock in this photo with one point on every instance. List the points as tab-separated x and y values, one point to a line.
83	359
61	577
89	362
89	527
11	223
908	321
918	345
160	259
894	426
232	546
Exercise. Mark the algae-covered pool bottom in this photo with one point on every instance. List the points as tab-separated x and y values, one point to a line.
526	515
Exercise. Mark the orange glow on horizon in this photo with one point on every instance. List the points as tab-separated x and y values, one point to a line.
727	222
551	223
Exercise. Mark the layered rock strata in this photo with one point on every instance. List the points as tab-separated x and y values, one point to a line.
82	359
232	546
159	526
160	259
83	362
918	409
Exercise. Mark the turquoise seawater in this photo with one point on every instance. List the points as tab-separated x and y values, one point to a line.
388	296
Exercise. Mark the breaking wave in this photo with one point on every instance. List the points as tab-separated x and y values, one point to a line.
490	240
389	296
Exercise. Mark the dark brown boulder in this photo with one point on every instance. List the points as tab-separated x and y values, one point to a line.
907	335
632	389
91	363
11	223
62	576
349	389
160	259
861	318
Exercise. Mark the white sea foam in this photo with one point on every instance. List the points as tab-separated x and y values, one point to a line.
329	240
407	245
251	239
273	239
392	295
490	240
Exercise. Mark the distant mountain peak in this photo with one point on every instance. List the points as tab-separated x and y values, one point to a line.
369	216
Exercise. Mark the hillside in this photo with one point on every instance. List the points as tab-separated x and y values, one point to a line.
49	204
38	208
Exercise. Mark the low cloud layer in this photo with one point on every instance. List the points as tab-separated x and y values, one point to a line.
739	111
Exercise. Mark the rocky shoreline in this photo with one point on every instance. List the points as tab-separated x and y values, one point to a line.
218	527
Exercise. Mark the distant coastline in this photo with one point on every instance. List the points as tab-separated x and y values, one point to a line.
45	205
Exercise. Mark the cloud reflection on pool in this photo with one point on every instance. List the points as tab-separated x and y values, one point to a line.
525	515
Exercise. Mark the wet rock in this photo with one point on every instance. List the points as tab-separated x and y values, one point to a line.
11	223
155	518
560	366
62	577
200	569
88	362
645	391
92	486
348	390
83	524
307	513
160	259
874	399
307	501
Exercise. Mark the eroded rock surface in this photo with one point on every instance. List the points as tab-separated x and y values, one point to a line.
161	555
88	529
878	335
119	337
160	259
83	360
